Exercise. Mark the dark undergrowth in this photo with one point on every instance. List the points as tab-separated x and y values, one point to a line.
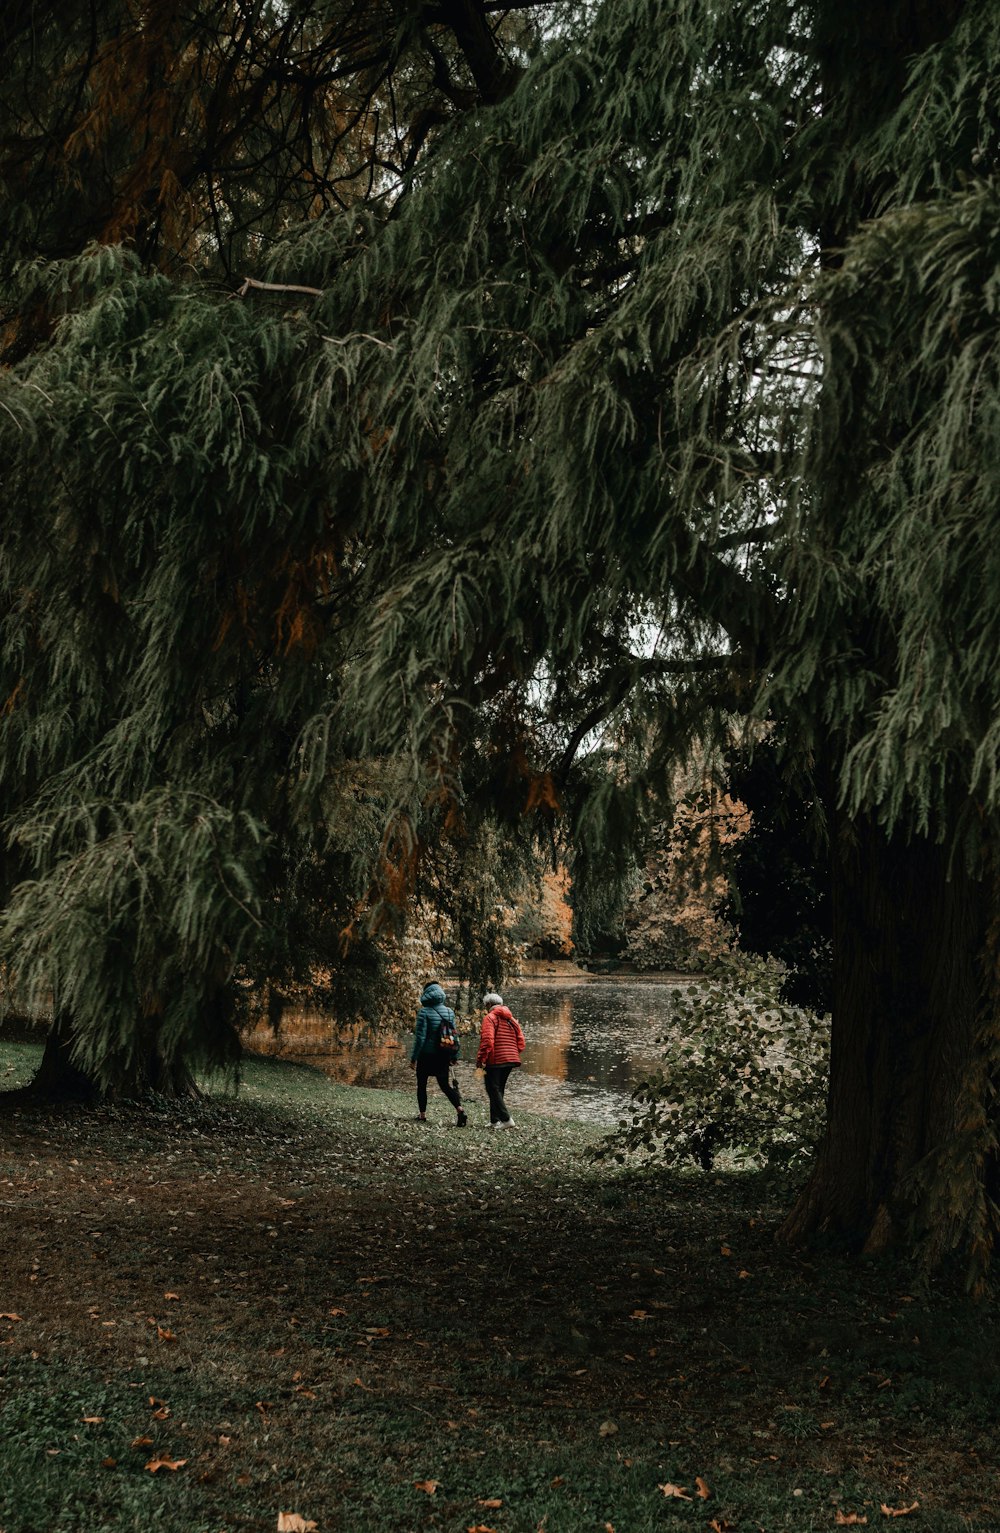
299	1301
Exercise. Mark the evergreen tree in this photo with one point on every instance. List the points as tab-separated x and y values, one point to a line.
664	391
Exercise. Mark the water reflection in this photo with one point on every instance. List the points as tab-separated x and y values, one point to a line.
588	1046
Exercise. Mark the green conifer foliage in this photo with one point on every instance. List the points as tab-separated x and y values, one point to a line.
664	390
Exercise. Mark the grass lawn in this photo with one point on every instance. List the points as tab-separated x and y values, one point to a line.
297	1300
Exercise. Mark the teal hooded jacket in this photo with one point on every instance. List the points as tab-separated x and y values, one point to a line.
427	1029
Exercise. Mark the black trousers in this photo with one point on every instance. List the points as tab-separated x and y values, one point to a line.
437	1065
495	1080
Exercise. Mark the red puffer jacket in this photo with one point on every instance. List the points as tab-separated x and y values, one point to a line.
500	1038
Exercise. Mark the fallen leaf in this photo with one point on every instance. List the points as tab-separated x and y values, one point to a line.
336	1312
165	1463
162	1334
9	1317
743	1273
142	1442
480	1527
162	1413
827	1426
899	1511
155	1400
676	1491
608	1429
92	1419
559	1480
638	1314
701	1489
377	1330
263	1406
291	1522
427	1486
109	1463
721	1525
492	1501
725	1251
171	1295
850	1519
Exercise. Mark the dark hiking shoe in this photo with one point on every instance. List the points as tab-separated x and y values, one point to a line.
463	1118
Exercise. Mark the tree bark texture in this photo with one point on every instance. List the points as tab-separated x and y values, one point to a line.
907	1148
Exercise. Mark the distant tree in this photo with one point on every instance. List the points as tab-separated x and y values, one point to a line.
675	919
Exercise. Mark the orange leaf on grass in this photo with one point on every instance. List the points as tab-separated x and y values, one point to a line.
678	1492
899	1511
427	1486
92	1419
480	1527
9	1316
162	1334
162	1413
291	1522
165	1463
701	1489
109	1463
171	1295
142	1442
492	1502
850	1519
721	1525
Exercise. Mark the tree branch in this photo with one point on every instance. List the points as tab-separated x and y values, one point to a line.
277	287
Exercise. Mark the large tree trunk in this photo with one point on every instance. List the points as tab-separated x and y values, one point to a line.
60	1078
909	1145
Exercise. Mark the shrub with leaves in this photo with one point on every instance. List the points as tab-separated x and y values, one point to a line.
744	1073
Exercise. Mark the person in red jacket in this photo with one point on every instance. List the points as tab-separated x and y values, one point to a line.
501	1043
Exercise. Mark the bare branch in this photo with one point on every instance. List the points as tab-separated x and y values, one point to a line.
277	287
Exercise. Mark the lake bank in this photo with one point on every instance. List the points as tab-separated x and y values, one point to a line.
590	1043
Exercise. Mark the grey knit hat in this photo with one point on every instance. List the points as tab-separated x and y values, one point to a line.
492	1000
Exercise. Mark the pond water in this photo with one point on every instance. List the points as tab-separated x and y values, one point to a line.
588	1045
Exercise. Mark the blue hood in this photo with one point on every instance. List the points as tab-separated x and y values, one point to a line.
433	995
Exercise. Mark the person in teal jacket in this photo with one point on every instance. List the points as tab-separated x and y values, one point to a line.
428	1058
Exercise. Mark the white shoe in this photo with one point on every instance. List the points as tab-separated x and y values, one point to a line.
509	1124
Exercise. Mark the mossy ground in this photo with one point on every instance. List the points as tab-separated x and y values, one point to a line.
312	1304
